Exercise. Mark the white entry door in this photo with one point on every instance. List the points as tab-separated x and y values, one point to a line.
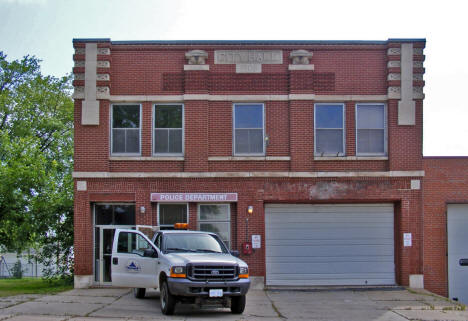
457	239
135	260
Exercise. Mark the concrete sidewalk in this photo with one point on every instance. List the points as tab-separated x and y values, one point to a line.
119	304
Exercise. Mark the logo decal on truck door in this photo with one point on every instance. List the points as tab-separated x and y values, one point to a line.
133	266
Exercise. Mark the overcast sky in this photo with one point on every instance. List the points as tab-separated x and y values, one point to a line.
45	28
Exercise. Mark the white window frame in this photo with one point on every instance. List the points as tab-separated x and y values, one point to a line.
344	130
166	225
234	129
153	129
228	220
385	142
111	129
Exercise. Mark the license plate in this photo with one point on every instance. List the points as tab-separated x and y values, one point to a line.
216	293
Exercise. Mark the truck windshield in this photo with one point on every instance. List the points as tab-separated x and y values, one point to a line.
192	242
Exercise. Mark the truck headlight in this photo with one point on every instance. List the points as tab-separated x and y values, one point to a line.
243	272
178	272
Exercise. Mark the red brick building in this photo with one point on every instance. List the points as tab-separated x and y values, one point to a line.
322	140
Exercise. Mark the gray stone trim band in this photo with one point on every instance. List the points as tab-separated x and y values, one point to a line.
245	174
247	98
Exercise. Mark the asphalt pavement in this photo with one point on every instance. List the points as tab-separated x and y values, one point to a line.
112	304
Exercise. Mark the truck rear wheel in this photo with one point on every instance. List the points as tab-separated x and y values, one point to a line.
238	304
139	293
168	301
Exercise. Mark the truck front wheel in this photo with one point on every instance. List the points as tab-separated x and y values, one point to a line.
139	293
168	301
238	304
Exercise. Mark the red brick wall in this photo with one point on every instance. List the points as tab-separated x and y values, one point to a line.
339	70
158	70
257	192
446	181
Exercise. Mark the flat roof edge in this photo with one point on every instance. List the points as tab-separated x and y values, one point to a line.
84	40
248	42
446	157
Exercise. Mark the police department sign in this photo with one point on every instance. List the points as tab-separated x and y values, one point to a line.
193	197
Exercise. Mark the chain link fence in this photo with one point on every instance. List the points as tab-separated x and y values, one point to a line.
28	269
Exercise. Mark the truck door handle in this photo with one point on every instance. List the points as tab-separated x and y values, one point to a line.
463	262
115	260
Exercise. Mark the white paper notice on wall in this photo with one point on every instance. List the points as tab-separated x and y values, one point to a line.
256	241
407	239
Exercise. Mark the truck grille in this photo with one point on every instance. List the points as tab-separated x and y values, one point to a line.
211	272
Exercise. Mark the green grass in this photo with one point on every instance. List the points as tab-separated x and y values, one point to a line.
10	287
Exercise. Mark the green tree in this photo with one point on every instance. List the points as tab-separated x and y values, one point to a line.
36	159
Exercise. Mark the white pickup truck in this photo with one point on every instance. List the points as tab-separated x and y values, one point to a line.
187	266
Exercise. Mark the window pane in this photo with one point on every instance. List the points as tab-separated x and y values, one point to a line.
329	116
169	214
103	214
214	212
118	141
242	141
175	141
248	116
124	214
132	243
256	140
370	141
133	141
161	141
126	116
249	141
168	116
370	116
222	229
329	141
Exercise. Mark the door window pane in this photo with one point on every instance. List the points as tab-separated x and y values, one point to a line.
124	215
168	129
329	129
248	129
370	129
103	214
110	214
169	214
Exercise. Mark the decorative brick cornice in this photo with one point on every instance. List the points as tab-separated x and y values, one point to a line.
196	57
103	64
394	71
78	92
300	57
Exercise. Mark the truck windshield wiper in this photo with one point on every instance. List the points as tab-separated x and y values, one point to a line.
179	249
207	251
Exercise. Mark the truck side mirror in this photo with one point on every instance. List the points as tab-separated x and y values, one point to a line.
235	253
150	253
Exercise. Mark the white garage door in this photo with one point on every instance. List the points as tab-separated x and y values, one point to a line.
336	244
457	227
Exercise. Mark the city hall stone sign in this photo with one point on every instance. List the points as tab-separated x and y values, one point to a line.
248	61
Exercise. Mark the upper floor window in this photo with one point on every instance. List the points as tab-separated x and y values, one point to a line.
329	129
249	129
168	129
126	120
371	129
